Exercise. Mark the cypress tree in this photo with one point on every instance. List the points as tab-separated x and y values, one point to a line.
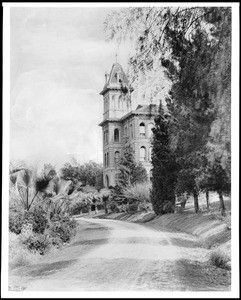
164	167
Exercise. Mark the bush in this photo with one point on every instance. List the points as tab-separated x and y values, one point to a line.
38	219
34	242
220	259
78	208
16	220
145	206
138	192
168	207
114	207
19	255
62	228
132	207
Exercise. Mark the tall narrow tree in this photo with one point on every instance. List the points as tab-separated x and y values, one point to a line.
164	167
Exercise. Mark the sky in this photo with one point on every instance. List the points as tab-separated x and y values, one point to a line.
58	60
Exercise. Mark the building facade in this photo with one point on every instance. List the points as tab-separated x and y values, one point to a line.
121	124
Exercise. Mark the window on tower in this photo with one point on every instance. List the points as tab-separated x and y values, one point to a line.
117	157
106	138
142	153
116	135
142	130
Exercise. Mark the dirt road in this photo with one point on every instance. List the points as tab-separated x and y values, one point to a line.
109	255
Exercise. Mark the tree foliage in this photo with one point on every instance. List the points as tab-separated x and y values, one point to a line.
182	56
130	172
89	173
164	167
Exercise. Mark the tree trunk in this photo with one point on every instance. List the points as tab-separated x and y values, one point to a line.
196	206
221	203
207	199
106	209
183	204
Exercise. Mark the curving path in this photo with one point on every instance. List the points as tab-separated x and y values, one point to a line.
110	255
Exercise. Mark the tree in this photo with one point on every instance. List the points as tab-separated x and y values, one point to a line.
49	171
29	185
130	172
183	55
218	180
202	88
84	174
99	181
163	167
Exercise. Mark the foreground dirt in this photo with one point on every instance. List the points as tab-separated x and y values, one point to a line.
111	255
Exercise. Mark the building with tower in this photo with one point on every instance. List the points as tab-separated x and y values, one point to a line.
124	124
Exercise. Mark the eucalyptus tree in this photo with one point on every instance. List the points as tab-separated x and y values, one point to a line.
182	55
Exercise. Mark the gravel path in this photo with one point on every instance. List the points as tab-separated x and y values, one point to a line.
111	255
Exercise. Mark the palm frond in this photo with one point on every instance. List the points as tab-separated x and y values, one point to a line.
41	184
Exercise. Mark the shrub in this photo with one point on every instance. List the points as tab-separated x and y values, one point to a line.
132	207
34	242
16	220
145	206
78	208
38	243
138	192
168	207
19	255
38	219
219	259
62	227
114	207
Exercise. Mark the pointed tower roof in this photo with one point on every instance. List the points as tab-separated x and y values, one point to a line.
117	80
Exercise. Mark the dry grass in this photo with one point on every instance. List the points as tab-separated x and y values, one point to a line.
220	259
19	255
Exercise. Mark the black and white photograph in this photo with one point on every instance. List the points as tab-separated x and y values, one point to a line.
120	150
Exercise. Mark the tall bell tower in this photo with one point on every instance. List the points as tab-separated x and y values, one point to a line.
116	103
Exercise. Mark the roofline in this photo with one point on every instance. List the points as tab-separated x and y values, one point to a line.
107	88
131	113
109	120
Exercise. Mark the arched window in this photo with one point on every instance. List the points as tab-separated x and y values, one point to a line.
149	153
116	135
143	153
117	157
142	130
107	159
150	126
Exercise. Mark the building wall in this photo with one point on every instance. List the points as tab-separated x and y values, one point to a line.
126	136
